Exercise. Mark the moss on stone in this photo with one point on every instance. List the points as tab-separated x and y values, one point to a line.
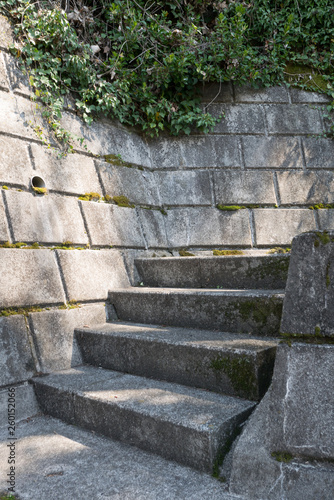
90	197
230	208
13	311
307	338
107	198
227	252
122	201
185	253
5	187
240	372
117	160
305	77
279	250
321	206
282	456
40	190
275	266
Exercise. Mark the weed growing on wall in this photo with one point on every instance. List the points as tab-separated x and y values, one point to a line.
143	63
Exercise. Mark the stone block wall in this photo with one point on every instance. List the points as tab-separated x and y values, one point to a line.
262	156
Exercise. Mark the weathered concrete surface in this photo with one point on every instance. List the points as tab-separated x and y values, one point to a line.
3	74
45	219
293	119
31	277
247	93
185	188
308	307
18	81
16	360
137	185
73	174
234	365
25	406
235	187
15	167
89	274
56	346
112	225
153	226
238	311
57	461
295	417
238	118
279	227
272	152
298	95
6	33
319	153
236	272
326	219
18	112
306	188
183	424
4	236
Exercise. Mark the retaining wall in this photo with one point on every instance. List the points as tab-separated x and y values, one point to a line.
263	156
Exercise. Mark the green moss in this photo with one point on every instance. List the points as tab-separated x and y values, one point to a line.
324	238
328	280
39	190
279	250
163	211
282	456
305	77
13	311
117	160
229	440
122	201
107	198
240	372
227	252
20	244
185	253
230	208
5	187
321	206
276	266
90	197
317	330
307	338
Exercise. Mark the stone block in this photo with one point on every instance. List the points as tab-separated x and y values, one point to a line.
238	118
103	137
112	225
46	219
89	274
19	112
176	223
235	187
18	81
3	75
73	174
308	307
213	227
319	153
26	404
16	358
29	277
279	227
166	152
185	187
248	93
272	152
309	482
326	219
306	188
137	185
295	418
56	345
299	95
15	166
6	33
293	119
211	151
216	92
4	236
153	224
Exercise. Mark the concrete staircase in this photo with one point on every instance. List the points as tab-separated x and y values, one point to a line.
182	390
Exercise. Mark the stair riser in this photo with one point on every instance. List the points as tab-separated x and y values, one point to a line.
243	374
265	272
256	315
174	442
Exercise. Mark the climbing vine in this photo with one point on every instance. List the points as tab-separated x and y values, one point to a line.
143	62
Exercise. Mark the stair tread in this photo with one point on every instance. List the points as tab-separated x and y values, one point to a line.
180	405
200	291
213	340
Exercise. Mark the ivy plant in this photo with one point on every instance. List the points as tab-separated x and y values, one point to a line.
143	63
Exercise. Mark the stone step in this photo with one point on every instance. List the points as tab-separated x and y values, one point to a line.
190	426
233	364
237	272
257	312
